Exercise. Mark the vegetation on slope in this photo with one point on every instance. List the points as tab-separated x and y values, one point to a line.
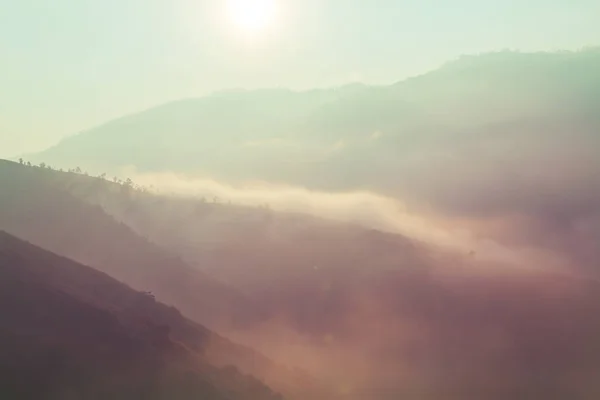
70	332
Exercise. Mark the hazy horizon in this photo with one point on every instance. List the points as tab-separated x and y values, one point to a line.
226	90
72	65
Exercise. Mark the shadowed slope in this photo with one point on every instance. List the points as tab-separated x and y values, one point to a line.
70	332
377	314
35	205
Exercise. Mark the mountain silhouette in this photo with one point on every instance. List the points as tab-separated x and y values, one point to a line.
382	315
36	206
70	332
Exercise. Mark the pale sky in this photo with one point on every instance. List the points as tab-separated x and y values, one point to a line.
68	65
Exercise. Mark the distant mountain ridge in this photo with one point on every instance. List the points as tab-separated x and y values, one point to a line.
505	136
364	131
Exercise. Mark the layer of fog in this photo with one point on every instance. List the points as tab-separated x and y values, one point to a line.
364	208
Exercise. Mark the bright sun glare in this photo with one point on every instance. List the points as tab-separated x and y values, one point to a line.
252	15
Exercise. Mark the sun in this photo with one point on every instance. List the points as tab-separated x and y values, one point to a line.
252	16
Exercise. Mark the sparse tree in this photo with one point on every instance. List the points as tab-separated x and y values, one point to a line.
28	163
102	176
42	165
21	161
78	170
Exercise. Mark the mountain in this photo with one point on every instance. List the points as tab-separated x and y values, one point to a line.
383	315
502	148
374	315
504	143
36	205
70	332
384	138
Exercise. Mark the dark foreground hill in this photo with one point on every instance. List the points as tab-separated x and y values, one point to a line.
382	315
376	316
36	205
70	332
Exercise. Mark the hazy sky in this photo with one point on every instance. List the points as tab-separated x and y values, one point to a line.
67	65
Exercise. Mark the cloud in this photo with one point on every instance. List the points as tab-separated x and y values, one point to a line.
364	208
520	184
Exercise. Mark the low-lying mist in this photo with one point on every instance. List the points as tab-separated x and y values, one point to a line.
370	317
364	208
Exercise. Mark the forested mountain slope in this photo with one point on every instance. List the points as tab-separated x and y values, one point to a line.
36	205
70	332
373	314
